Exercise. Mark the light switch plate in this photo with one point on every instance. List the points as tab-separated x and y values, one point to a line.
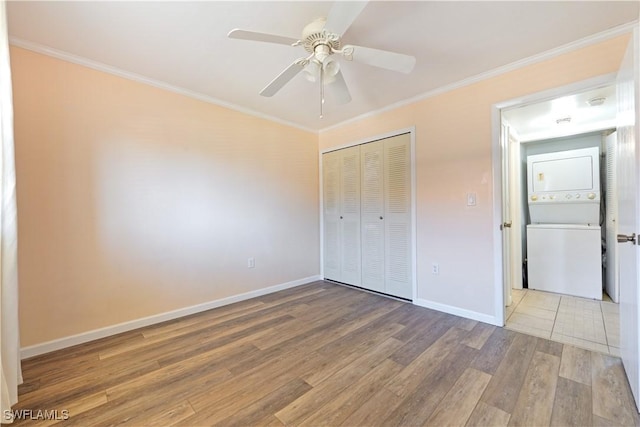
471	199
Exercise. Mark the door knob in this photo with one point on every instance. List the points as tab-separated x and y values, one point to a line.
623	238
380	217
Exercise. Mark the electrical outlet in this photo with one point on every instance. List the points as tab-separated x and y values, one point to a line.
435	269
251	262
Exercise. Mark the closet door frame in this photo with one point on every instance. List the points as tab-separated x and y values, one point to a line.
410	130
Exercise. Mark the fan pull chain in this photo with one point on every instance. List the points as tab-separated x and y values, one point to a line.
321	91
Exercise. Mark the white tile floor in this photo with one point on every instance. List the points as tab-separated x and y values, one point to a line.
590	324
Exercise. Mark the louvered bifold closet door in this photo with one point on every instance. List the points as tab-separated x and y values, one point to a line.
397	183
350	215
372	208
331	163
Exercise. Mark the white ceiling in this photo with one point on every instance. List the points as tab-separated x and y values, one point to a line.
539	121
185	44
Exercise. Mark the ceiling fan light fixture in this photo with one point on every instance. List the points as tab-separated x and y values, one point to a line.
330	69
312	71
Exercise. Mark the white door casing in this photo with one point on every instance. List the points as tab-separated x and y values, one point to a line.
506	214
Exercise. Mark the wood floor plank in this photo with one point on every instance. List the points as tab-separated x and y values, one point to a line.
379	406
535	401
314	339
74	388
321	394
466	324
230	325
173	414
488	416
324	354
417	322
418	406
479	335
575	364
195	320
76	408
572	405
504	387
415	347
458	404
337	410
550	347
261	411
238	396
494	350
412	375
331	363
611	394
172	376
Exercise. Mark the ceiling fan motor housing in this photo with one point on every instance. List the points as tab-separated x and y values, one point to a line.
314	35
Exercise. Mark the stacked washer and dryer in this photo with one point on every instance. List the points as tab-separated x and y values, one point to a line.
564	253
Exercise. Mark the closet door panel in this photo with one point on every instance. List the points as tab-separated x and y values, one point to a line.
331	214
397	172
372	215
350	215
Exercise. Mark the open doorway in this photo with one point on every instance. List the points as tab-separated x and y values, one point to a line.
558	182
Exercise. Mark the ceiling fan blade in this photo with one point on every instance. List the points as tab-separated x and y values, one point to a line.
260	37
342	15
381	58
338	90
283	78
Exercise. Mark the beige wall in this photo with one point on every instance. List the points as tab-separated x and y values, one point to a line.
454	157
134	201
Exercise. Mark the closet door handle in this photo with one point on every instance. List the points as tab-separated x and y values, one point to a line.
381	218
340	217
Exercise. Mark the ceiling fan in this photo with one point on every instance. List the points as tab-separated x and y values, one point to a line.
322	40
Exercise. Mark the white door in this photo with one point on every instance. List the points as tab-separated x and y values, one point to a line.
349	219
341	215
611	222
331	215
373	246
397	216
628	222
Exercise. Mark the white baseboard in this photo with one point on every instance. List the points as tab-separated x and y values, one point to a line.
468	314
60	343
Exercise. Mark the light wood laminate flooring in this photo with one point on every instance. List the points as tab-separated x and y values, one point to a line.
323	354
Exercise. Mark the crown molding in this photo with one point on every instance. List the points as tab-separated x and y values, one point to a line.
549	54
569	47
99	66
